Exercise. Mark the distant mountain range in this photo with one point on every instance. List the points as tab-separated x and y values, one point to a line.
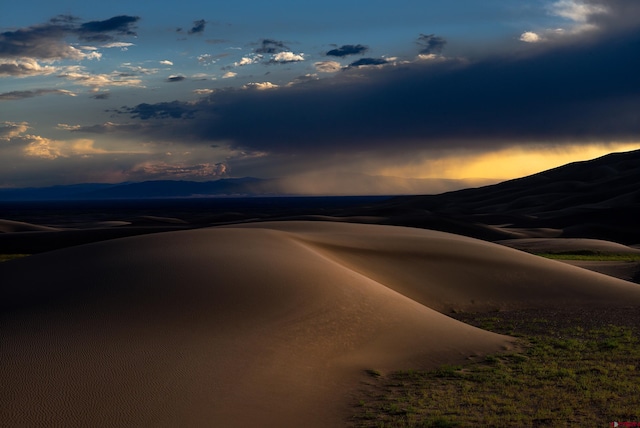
129	190
334	184
599	198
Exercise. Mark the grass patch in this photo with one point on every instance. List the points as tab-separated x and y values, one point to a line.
592	256
7	257
564	375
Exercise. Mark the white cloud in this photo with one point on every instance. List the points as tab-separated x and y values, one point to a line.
202	76
78	75
244	61
260	86
229	74
206	59
138	69
576	10
122	45
530	37
9	130
166	62
45	148
67	127
79	55
25	67
203	91
41	147
328	66
64	92
430	57
287	57
248	60
83	147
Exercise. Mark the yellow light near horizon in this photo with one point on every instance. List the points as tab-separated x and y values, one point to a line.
507	163
516	163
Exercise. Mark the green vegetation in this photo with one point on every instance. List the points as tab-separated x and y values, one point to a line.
592	256
568	376
7	257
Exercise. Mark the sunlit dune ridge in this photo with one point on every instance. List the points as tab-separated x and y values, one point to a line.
263	324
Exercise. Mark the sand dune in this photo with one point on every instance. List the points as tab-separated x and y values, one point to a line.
263	324
568	245
10	226
626	270
450	272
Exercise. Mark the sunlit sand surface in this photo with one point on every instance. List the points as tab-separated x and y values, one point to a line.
260	324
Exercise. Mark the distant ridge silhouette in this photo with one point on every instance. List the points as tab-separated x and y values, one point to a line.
599	198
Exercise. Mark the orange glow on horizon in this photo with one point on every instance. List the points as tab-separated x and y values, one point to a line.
507	163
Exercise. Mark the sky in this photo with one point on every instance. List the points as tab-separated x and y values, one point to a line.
131	91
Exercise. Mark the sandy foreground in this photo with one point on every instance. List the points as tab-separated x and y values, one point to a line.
260	324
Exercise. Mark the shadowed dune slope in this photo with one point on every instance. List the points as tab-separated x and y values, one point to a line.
269	324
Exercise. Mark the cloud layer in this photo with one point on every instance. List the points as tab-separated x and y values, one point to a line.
580	91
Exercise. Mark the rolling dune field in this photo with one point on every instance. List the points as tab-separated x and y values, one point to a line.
258	324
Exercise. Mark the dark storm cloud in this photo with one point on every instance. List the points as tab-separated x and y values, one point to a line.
431	44
346	50
46	41
103	31
173	109
582	90
269	46
368	61
39	41
198	27
172	79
